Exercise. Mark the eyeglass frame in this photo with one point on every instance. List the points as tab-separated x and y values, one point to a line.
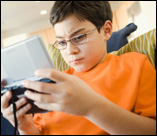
70	40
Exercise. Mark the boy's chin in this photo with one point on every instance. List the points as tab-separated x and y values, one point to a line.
81	69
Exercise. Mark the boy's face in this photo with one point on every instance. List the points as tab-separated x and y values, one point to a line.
87	55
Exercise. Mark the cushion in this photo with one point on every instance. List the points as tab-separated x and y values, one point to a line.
119	39
144	44
57	59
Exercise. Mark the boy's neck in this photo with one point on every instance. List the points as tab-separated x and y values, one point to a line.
102	59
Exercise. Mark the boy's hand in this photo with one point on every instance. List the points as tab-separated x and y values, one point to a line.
7	110
69	94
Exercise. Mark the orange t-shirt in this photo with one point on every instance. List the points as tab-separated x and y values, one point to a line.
128	80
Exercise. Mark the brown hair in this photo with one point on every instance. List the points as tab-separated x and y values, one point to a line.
97	12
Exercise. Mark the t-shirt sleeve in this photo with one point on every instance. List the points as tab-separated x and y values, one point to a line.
146	99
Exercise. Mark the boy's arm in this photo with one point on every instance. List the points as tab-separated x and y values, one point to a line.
117	121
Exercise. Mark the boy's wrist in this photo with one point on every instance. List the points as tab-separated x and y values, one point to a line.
97	106
28	128
31	130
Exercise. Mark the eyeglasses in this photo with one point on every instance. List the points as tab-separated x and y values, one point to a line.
76	40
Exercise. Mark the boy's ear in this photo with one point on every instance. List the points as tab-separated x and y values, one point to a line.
107	29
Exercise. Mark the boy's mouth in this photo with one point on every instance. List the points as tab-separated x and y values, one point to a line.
76	61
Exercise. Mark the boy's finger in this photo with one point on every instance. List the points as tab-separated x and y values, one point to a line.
20	102
5	99
23	110
52	74
46	88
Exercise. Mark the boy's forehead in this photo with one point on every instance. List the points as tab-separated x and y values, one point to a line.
70	25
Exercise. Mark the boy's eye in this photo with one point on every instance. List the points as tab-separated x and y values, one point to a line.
61	43
79	38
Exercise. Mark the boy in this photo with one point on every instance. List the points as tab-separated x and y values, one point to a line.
101	93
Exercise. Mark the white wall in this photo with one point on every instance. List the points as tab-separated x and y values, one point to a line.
15	35
149	11
143	14
14	39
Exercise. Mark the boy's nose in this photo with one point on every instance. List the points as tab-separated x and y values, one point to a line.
72	49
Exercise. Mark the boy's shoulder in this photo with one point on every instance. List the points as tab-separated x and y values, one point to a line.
131	60
133	57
